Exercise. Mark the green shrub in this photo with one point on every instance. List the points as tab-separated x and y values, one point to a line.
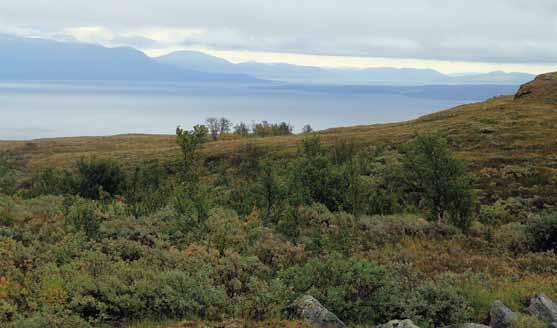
51	321
52	181
440	303
7	311
346	286
9	177
526	321
97	178
544	233
7	216
512	236
495	214
429	303
262	300
177	294
83	216
148	189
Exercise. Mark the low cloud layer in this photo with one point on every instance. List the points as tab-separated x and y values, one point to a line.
499	31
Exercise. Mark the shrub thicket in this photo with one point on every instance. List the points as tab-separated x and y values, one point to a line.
242	236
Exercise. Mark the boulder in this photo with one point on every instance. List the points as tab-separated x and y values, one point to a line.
544	308
467	325
310	310
399	324
501	316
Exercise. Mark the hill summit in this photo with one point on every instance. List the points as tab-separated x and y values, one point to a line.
542	89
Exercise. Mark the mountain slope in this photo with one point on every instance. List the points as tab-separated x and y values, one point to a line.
306	74
38	59
198	61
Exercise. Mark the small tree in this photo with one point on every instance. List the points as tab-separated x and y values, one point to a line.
241	129
224	126
190	199
213	124
441	180
189	142
269	188
307	129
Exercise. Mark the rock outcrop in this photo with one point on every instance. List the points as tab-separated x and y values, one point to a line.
544	308
543	89
308	309
501	316
399	324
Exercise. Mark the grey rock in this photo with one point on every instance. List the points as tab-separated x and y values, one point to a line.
309	309
501	316
467	325
399	324
544	308
553	325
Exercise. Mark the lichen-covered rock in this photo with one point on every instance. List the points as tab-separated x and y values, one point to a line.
544	308
310	310
501	316
467	325
399	324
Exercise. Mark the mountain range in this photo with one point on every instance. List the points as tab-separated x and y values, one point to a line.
34	59
192	60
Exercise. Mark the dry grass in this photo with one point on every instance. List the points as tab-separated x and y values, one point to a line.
498	130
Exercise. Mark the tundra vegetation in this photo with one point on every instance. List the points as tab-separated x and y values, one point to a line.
428	228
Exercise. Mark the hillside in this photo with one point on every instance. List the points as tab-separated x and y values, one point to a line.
495	137
347	227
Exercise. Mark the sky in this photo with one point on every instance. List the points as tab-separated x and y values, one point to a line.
450	36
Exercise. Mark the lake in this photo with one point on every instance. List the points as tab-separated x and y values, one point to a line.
41	110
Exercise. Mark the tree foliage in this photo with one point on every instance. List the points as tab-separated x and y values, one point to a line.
433	172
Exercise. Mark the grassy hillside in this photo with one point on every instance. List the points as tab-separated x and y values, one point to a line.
506	142
375	223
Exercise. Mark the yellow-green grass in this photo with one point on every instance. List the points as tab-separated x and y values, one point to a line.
485	134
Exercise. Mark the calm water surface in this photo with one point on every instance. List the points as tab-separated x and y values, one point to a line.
44	110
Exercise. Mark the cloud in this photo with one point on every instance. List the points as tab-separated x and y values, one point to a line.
90	34
503	31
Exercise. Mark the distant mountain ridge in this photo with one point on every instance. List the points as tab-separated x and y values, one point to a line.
24	59
307	74
34	59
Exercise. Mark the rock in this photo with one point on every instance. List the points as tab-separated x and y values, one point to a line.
501	316
553	325
467	325
544	308
309	309
399	324
542	89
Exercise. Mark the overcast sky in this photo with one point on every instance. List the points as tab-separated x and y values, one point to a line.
450	35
